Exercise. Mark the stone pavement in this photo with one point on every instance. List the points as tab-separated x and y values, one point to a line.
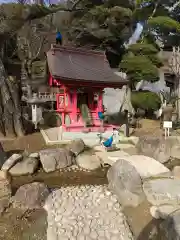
85	213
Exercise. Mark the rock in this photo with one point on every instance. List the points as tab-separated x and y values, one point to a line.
162	212
154	212
170	228
5	191
176	172
3	156
25	167
10	162
76	146
159	148
162	191
134	140
34	155
30	196
148	167
4	175
54	159
111	157
125	182
131	150
175	152
88	161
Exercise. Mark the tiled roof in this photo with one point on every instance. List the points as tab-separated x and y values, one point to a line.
70	63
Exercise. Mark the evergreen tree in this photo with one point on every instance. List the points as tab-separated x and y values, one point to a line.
109	24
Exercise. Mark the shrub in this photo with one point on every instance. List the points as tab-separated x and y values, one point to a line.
138	68
147	101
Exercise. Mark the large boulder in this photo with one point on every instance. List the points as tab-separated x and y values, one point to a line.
30	196
162	212
5	191
25	167
159	148
162	191
76	146
148	167
88	161
176	172
125	182
11	161
111	157
170	227
54	159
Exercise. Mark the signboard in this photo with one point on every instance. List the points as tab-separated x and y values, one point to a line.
167	124
61	102
39	69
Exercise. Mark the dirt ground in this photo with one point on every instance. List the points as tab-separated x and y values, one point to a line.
32	226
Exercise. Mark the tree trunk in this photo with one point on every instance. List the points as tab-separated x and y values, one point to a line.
10	120
178	96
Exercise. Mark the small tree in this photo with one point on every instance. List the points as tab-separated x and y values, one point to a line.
141	63
148	101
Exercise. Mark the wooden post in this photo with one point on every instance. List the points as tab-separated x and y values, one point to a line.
127	125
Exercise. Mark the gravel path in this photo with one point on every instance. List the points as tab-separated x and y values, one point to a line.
85	213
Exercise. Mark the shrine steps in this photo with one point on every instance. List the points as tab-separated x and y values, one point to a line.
58	136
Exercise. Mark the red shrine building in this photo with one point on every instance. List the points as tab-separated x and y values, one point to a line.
79	77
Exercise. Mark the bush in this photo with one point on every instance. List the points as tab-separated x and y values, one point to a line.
138	68
147	101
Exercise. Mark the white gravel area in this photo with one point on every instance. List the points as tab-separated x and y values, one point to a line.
85	213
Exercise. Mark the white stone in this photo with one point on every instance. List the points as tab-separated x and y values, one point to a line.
111	157
148	167
81	227
34	155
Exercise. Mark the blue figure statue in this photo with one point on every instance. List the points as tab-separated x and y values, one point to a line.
58	38
107	143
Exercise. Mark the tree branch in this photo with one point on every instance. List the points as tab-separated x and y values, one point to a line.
39	50
155	9
11	24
